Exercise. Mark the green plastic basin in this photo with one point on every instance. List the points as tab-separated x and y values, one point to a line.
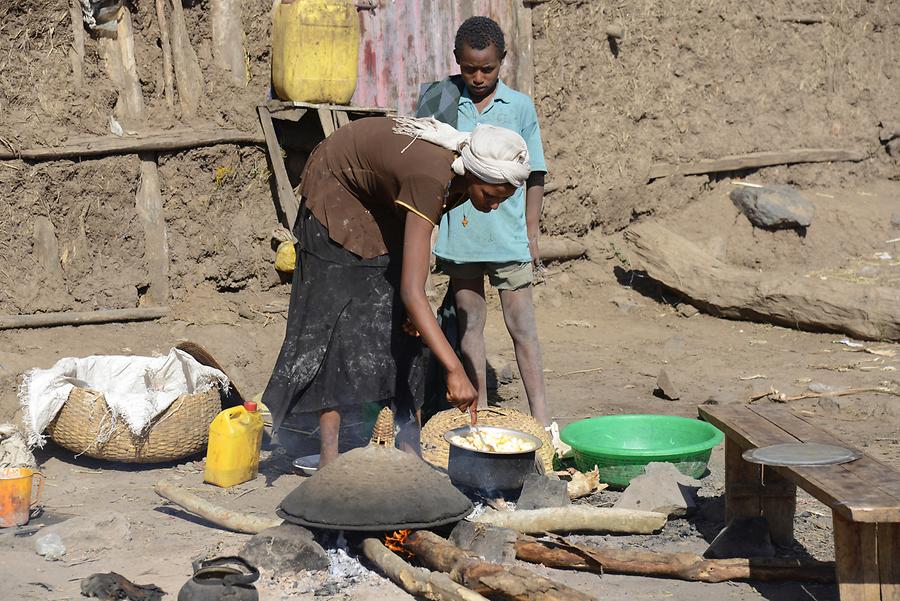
621	445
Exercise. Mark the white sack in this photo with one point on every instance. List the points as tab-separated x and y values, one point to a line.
137	389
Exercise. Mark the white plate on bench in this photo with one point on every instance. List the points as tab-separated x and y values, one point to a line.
801	454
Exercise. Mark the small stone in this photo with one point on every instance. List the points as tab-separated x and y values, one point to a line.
661	488
895	219
742	537
506	375
285	548
687	310
623	304
773	207
665	388
539	492
50	546
490	542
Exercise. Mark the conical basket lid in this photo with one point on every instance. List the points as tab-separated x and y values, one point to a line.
375	488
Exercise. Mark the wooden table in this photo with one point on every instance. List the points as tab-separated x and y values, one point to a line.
864	496
327	118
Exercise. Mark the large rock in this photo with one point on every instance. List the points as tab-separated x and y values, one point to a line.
663	489
284	549
93	534
773	207
539	492
742	537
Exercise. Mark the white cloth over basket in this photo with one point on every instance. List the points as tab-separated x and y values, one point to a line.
136	389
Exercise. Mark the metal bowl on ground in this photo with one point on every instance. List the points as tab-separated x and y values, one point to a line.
490	471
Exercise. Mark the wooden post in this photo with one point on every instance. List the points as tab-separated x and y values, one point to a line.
149	206
856	563
76	52
168	76
286	204
779	504
525	51
743	481
131	92
228	39
188	76
46	249
889	560
327	121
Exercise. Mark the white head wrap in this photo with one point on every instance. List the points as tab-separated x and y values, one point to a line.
492	154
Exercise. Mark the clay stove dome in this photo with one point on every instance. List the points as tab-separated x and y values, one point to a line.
375	488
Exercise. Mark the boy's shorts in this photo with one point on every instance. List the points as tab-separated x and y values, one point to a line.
503	276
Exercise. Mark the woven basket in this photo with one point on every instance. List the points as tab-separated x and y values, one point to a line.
180	431
436	450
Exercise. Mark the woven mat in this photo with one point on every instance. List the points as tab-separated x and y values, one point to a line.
436	450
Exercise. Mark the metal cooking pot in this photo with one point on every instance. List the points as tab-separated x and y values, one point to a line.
216	580
488	471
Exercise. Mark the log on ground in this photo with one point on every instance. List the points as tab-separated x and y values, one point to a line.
563	555
487	578
416	581
215	514
577	518
47	320
861	311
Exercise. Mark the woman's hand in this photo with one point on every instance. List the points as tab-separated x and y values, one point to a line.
460	392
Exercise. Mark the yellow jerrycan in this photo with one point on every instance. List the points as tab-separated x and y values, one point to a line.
235	438
315	48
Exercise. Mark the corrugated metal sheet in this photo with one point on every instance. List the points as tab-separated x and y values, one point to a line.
405	43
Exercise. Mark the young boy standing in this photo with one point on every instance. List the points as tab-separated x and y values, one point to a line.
502	246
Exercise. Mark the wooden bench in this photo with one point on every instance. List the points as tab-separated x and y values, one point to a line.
864	496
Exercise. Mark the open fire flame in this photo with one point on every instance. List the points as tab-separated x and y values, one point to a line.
395	540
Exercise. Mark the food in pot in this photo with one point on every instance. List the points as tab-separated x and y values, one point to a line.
493	442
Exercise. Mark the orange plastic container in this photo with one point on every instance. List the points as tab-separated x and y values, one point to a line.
235	438
16	488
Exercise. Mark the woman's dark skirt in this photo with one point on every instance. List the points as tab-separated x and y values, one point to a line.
344	345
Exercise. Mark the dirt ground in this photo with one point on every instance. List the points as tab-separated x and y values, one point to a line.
604	343
690	80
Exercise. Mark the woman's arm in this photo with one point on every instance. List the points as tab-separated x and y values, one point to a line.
416	261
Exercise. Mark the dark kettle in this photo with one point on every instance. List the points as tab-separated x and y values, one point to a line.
218	580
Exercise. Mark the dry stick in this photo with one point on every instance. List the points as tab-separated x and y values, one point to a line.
577	518
779	397
561	554
224	518
46	320
416	581
148	141
168	76
756	159
485	577
76	52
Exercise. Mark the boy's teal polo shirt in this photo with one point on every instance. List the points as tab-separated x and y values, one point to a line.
467	235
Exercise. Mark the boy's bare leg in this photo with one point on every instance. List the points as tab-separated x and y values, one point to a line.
518	313
471	309
329	430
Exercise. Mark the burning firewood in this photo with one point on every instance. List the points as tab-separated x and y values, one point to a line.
416	581
561	554
577	518
485	577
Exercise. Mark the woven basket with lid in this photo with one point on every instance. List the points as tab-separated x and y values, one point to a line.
182	430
